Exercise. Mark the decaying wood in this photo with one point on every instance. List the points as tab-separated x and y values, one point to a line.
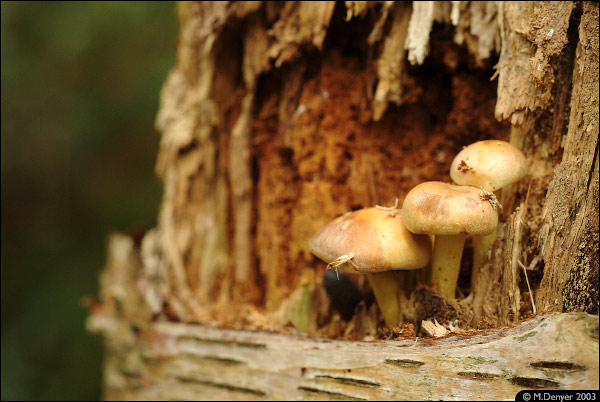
571	271
163	360
168	361
225	231
424	14
390	64
532	33
539	128
476	27
280	116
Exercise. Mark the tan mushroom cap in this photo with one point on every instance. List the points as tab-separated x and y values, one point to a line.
439	208
490	164
376	237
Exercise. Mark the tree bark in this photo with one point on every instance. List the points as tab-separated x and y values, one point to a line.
280	116
167	361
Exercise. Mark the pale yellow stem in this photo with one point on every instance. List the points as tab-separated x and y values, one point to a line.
386	288
445	266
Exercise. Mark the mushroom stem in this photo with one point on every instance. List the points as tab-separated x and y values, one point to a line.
447	253
386	289
481	246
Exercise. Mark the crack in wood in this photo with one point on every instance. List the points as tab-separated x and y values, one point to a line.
476	375
223	360
130	374
330	394
188	148
534	382
225	342
228	387
351	381
592	168
404	362
567	366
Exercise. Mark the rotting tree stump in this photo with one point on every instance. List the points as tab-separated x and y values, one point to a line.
280	116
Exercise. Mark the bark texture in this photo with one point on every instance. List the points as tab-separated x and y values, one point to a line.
168	361
280	116
571	255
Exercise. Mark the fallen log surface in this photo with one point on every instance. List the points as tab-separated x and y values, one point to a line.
181	361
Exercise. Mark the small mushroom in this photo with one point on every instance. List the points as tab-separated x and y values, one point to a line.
449	212
373	241
489	165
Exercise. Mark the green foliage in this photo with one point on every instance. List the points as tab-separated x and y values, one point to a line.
80	90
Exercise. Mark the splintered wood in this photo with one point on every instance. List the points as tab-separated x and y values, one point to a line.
258	153
254	167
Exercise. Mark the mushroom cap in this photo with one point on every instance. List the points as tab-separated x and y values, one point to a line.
439	208
490	164
376	237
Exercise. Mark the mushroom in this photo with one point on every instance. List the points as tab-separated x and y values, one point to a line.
449	212
373	241
489	165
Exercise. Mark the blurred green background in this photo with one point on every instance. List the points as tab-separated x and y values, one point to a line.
80	91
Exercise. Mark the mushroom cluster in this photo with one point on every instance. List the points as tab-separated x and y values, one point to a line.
490	165
376	241
373	241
